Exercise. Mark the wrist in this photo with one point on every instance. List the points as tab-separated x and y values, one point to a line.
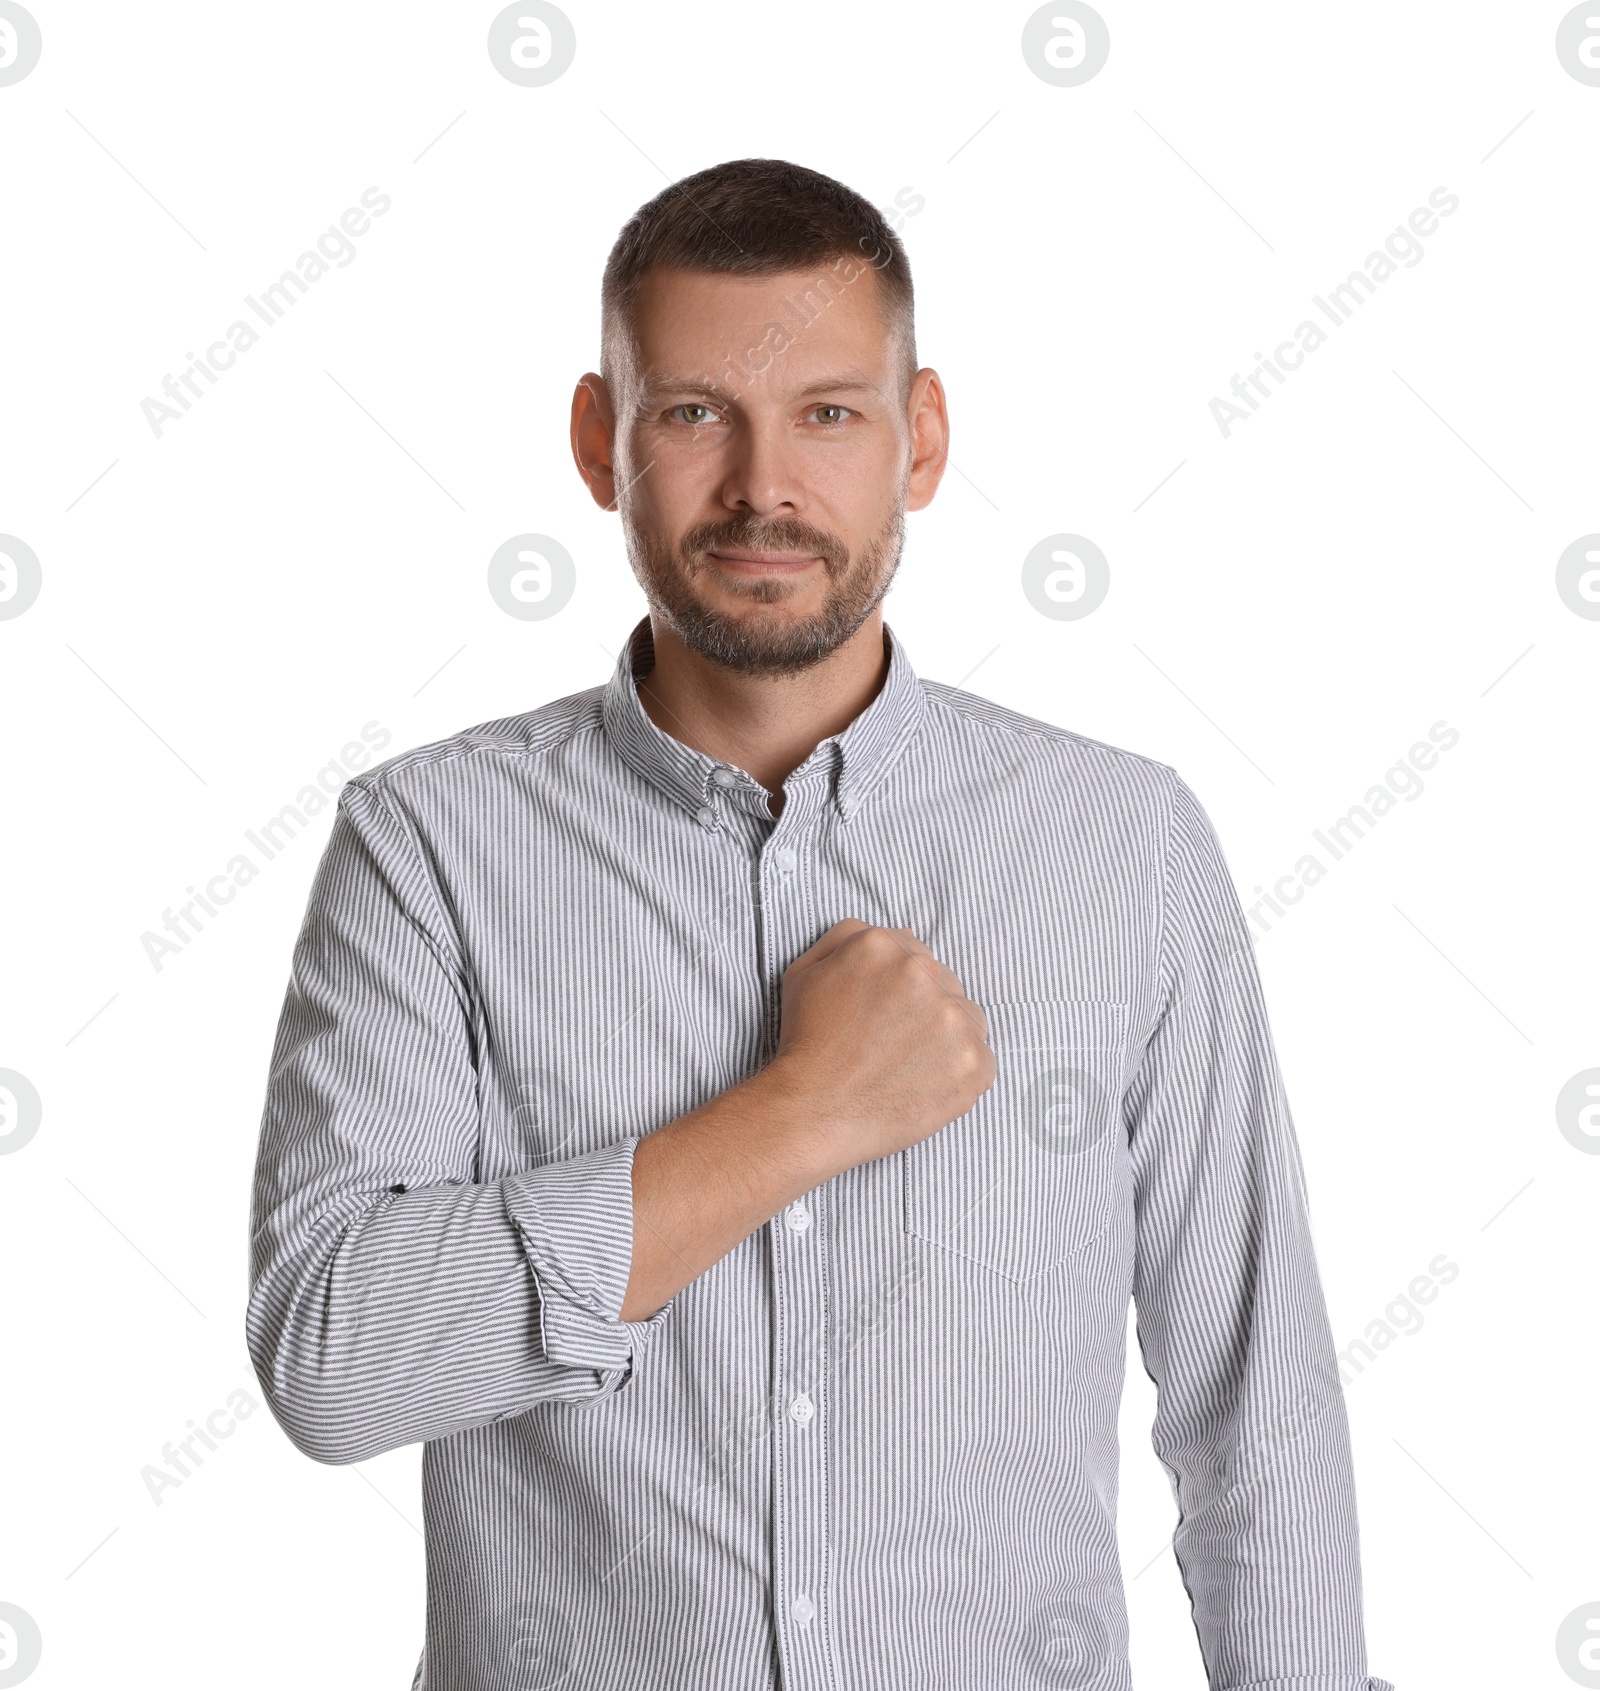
803	1134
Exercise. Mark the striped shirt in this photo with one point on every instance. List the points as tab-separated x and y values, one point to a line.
874	1447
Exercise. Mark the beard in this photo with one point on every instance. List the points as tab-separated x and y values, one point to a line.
757	643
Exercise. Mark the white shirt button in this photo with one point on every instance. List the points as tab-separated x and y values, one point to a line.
705	816
786	858
801	1410
797	1218
803	1609
725	777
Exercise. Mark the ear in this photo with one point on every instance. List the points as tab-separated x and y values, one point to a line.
594	439
929	418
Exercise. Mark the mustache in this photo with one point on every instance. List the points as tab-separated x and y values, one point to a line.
777	534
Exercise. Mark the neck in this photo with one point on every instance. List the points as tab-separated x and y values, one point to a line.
767	725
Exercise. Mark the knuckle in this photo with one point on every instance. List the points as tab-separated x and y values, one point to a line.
976	1061
952	1019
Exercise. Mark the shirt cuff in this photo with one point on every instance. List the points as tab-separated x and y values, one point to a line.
575	1220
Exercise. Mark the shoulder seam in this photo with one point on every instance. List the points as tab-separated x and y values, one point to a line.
948	698
1168	841
456	747
380	796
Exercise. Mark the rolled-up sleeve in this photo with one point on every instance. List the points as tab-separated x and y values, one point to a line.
1250	1422
394	1297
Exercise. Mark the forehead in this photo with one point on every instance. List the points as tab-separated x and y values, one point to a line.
830	313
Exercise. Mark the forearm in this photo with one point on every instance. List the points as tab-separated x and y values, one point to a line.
448	1306
706	1181
1252	1430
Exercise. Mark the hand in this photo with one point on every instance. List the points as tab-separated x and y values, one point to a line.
879	1041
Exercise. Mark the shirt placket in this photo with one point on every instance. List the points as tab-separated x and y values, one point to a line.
798	1241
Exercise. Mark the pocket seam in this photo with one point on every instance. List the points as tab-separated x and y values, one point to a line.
1027	1025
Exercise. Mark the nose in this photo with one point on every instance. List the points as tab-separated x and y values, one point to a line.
763	475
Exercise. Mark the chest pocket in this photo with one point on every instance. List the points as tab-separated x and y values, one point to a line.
1026	1178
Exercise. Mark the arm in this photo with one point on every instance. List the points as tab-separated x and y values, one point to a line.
393	1298
1250	1421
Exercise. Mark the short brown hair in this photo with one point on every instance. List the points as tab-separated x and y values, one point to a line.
754	217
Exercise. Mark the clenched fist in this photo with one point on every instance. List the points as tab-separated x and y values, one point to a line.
879	1038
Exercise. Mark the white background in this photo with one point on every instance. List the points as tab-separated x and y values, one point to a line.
224	606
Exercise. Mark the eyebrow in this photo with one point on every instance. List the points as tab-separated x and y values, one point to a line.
654	387
847	381
851	381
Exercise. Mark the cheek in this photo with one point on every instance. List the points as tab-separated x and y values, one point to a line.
673	477
859	491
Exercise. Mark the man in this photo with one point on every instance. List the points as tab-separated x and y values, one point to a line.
724	1114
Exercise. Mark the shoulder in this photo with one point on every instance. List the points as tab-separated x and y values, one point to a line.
961	719
477	754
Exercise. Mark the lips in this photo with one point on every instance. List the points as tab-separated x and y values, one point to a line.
751	546
769	563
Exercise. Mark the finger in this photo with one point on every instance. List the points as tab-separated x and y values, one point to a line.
947	978
826	944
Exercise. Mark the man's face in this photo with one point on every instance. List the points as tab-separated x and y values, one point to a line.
762	456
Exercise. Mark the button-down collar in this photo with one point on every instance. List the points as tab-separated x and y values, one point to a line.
852	761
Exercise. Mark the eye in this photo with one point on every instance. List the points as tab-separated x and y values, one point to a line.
831	415
706	414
